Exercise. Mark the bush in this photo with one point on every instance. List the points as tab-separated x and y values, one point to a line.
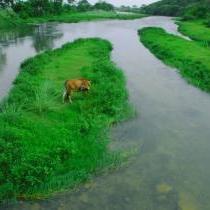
34	8
104	6
83	5
195	11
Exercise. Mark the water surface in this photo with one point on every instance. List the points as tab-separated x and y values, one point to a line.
171	135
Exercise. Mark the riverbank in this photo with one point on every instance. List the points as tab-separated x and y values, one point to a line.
9	20
75	17
196	30
191	59
47	145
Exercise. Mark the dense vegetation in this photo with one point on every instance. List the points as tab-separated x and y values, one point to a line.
9	19
46	145
197	30
189	57
84	16
134	9
189	9
16	13
37	8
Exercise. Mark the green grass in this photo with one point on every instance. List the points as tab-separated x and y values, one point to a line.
9	19
46	145
85	16
196	30
190	58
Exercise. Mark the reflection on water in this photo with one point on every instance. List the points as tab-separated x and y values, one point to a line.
2	59
18	44
13	35
170	170
44	37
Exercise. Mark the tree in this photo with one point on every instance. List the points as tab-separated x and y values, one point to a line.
39	7
6	3
71	1
57	6
187	8
83	5
196	11
102	5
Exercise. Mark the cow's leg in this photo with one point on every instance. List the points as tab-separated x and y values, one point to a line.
64	96
70	101
69	96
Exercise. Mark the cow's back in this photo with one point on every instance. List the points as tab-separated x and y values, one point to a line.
73	84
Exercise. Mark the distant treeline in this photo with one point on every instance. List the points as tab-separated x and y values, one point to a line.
36	8
188	9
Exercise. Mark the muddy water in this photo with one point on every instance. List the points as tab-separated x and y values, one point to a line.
171	135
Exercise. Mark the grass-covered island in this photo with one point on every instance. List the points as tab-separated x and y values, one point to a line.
46	145
189	57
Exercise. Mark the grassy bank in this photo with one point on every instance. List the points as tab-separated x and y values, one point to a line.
46	145
190	58
73	17
9	19
196	30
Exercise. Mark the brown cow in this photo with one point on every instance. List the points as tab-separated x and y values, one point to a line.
75	85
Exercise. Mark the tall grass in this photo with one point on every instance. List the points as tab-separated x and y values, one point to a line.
196	30
191	59
46	145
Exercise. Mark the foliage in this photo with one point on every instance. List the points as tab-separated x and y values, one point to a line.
6	3
196	30
85	16
70	14
196	11
133	9
190	58
103	6
36	8
71	1
189	9
83	5
47	8
46	145
9	19
162	9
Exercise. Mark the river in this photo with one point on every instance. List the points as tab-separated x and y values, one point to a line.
170	136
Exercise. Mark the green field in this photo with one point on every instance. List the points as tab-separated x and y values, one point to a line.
85	16
190	58
196	30
47	145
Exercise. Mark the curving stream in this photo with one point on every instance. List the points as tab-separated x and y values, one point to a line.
171	136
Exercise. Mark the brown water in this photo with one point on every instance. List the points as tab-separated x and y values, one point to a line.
171	135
